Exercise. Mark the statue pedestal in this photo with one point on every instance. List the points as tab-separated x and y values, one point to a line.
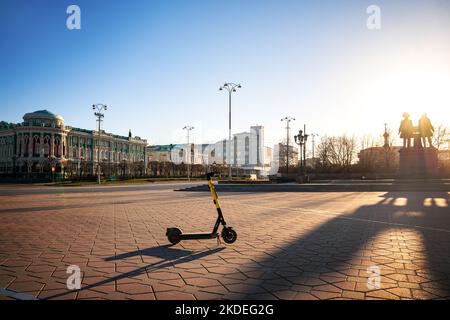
418	162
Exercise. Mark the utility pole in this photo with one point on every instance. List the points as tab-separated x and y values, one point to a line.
230	87
288	119
313	135
99	107
188	129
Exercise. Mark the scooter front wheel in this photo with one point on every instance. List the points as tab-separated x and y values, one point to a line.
229	235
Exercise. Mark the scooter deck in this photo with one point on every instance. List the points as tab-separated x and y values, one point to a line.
193	236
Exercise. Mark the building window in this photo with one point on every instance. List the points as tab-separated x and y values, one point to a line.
258	160
224	154
56	147
247	150
46	146
27	146
36	145
235	146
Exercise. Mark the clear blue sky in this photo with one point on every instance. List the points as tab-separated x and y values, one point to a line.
158	64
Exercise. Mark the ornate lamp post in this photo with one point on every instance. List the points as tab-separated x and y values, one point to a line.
288	120
99	107
301	139
230	87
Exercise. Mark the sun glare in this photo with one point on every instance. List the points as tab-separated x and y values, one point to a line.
416	91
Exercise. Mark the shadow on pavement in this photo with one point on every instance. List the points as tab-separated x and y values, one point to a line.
170	257
415	251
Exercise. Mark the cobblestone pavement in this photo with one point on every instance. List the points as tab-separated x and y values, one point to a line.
315	245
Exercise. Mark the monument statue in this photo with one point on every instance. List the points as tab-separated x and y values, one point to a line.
417	160
426	130
406	130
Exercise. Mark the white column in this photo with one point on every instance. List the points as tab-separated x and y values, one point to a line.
18	145
52	147
41	145
30	145
63	146
79	149
69	149
21	145
66	144
61	139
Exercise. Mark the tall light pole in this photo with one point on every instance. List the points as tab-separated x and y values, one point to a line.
230	87
313	135
300	139
99	107
288	119
188	129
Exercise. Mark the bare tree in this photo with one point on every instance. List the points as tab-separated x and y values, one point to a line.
441	136
343	150
324	152
338	152
368	152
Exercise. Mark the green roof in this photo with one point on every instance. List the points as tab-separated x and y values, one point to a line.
42	114
81	130
165	147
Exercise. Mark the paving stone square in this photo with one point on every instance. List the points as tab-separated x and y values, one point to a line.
297	245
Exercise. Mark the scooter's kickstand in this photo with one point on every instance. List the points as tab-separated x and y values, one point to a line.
218	241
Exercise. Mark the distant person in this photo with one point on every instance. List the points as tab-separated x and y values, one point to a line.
426	130
406	130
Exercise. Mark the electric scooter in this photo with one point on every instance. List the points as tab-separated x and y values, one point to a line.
175	235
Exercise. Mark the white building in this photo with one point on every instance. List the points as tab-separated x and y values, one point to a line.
247	149
248	152
180	153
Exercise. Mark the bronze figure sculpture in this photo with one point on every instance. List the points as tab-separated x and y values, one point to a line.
426	130
406	130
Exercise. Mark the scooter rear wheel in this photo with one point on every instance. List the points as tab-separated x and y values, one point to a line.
229	235
173	235
173	239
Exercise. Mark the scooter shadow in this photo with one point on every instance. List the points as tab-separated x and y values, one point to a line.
170	257
166	252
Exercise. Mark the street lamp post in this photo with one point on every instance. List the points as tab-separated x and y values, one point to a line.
188	129
230	87
313	135
99	107
288	120
301	139
304	146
